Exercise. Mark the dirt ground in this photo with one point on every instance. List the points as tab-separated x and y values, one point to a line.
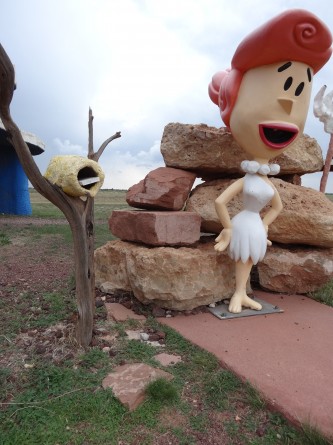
26	264
31	267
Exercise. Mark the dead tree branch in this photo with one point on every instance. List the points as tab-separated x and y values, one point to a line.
91	154
90	135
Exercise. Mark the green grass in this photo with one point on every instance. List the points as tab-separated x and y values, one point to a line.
324	294
136	351
104	202
61	405
65	404
4	239
199	422
221	388
33	312
253	397
313	437
162	391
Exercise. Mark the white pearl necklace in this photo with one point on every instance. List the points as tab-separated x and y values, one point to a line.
253	167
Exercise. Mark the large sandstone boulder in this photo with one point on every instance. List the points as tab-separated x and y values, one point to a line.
295	270
202	201
156	228
185	278
306	218
111	266
182	278
213	153
162	189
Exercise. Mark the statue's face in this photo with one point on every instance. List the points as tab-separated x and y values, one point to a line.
271	108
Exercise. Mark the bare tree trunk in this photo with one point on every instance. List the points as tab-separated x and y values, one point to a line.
79	213
83	238
327	166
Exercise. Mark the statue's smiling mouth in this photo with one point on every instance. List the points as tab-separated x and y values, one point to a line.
278	136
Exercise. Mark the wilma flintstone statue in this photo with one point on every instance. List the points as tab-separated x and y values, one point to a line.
264	99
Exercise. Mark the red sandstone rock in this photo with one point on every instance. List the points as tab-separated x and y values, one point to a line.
167	359
162	189
118	312
128	382
156	228
295	270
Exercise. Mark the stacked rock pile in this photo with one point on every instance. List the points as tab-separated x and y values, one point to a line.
165	254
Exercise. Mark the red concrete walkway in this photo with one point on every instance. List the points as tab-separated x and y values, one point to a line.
288	357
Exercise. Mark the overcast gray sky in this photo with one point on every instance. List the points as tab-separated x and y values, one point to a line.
139	64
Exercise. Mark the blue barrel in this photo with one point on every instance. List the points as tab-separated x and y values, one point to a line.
14	187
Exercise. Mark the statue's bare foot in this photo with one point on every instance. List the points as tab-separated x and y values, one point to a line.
239	300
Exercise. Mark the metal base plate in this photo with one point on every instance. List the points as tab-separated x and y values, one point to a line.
221	311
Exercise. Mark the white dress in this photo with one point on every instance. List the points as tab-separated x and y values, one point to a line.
249	238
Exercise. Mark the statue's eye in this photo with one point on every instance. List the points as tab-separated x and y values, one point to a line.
309	74
299	89
288	83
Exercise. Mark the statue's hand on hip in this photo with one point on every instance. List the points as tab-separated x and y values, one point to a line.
223	240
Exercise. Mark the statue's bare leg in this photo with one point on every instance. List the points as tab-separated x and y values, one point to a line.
240	297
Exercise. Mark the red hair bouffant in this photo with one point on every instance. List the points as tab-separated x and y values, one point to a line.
295	35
